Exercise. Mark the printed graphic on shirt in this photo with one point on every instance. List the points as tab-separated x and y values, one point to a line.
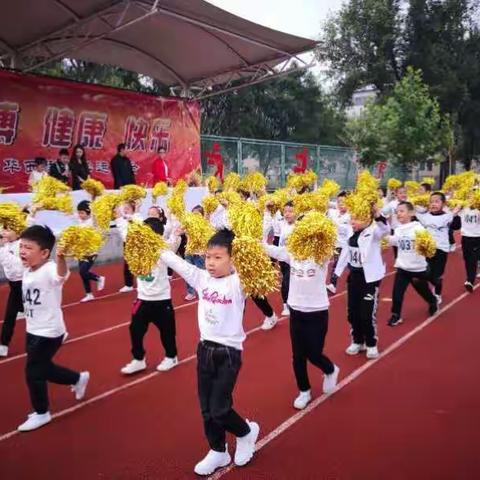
355	257
473	218
31	299
301	273
406	244
215	297
147	278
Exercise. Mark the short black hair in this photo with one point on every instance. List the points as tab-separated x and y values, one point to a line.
84	206
120	146
439	194
288	204
223	238
343	193
304	189
199	208
244	193
41	235
384	191
40	161
63	151
409	205
155	224
426	186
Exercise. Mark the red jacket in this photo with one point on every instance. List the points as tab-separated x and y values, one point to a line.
160	170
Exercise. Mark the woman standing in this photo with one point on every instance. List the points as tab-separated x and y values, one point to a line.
78	166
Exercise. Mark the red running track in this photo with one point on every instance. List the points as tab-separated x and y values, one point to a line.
389	422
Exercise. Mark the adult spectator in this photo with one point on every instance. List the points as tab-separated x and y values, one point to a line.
78	166
39	171
160	168
122	169
60	169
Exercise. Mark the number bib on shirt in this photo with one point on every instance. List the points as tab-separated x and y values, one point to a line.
406	245
355	257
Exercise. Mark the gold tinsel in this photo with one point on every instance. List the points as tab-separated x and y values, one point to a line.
94	187
462	181
257	274
280	197
299	181
425	244
313	237
142	248
231	182
231	197
48	187
245	220
329	188
80	242
103	208
194	179
475	200
132	193
62	203
429	180
420	200
457	202
176	202
393	184
253	182
12	217
198	231
210	204
213	184
316	201
359	208
159	190
413	188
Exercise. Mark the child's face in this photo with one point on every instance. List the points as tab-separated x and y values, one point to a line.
197	210
127	209
289	214
41	167
153	213
380	193
218	262
358	225
402	194
436	203
341	205
404	215
8	235
423	189
31	254
64	158
83	215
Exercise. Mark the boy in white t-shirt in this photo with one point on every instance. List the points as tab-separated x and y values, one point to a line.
38	172
42	297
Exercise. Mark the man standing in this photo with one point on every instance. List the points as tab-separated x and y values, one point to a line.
122	169
60	169
160	168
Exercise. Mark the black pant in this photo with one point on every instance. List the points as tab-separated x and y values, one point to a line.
40	369
285	269
451	236
336	256
419	281
14	305
127	275
436	266
217	371
471	256
307	333
162	315
276	241
87	276
264	305
362	308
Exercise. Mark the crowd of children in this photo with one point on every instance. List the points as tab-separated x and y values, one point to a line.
36	284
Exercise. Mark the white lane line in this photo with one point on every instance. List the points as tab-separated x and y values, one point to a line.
346	381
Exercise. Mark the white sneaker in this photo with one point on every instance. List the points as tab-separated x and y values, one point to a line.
65	336
439	299
134	366
372	352
3	351
34	421
167	364
100	283
303	399
355	349
269	322
190	296
330	381
125	289
286	310
213	461
81	386
332	288
246	445
87	298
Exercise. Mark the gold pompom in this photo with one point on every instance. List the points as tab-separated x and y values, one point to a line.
48	187
213	184
94	187
257	274
280	197
253	182
103	209
393	184
425	244
230	196
475	200
313	238
80	242
245	220
176	202
428	180
210	204
231	182
142	248
62	203
413	188
132	193
159	190
12	217
299	181
420	200
329	188
360	208
198	231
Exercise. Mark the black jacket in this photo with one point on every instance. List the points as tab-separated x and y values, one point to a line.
58	171
122	171
80	173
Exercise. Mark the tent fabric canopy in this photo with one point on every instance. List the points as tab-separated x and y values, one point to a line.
184	44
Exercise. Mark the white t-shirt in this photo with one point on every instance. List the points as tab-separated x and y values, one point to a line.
42	300
277	223
154	286
344	229
221	302
122	224
267	225
35	177
437	225
470	222
389	211
285	231
308	291
11	262
404	238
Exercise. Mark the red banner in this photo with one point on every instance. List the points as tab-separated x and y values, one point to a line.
40	115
